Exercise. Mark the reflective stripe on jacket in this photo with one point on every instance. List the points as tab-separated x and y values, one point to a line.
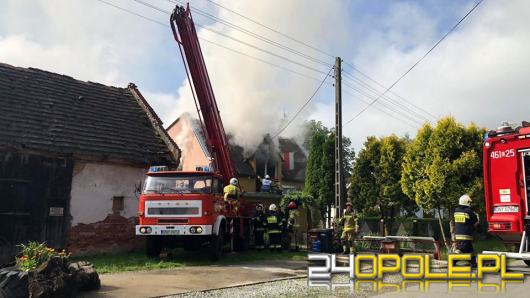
273	223
465	221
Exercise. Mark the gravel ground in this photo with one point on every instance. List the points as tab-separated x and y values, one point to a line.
299	287
296	287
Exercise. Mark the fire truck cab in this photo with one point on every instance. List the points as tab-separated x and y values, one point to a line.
506	163
186	209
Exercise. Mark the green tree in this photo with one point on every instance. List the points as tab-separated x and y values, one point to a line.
317	136
441	164
375	184
326	186
320	167
363	191
390	197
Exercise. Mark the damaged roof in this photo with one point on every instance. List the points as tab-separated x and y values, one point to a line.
241	164
52	113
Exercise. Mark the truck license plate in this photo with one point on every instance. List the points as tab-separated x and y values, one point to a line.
170	232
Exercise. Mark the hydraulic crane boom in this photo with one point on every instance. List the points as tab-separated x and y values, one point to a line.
190	50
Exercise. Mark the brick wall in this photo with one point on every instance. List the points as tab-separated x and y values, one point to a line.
114	234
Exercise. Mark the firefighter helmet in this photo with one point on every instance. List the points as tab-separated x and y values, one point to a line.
267	177
233	181
272	207
464	200
292	205
259	207
349	204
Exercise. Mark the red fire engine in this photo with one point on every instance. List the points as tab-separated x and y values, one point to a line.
187	209
506	163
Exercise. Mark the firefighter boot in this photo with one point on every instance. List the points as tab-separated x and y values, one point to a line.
345	247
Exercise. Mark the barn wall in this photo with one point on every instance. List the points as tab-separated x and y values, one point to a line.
34	200
95	226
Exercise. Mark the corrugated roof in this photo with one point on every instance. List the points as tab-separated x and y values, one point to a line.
54	113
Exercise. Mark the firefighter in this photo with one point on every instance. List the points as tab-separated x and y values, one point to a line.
231	195
266	184
275	225
465	223
231	191
293	224
350	228
260	223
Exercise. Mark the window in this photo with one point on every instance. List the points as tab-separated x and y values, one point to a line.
178	184
217	186
117	205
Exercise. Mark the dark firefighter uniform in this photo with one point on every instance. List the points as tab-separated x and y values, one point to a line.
275	224
260	223
465	222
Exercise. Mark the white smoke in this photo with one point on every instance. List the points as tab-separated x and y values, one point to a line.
253	98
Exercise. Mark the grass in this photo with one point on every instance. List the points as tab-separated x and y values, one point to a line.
479	246
137	261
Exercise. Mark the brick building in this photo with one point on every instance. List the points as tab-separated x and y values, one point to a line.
73	156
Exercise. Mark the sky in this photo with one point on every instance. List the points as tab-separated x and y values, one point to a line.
478	74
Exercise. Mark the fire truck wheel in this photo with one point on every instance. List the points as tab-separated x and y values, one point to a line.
217	245
13	283
527	262
153	247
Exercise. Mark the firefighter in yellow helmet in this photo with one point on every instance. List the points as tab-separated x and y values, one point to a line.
350	228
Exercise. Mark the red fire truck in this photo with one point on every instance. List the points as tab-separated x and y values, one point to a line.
187	209
506	163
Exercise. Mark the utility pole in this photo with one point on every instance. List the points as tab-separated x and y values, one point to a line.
339	175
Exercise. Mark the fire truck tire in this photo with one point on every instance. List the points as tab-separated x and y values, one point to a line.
217	245
527	262
13	284
153	247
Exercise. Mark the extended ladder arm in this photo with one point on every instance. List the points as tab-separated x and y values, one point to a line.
190	50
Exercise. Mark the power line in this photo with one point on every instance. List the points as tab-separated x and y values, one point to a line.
271	29
133	13
417	62
211	42
263	61
235	39
250	33
387	106
388	99
304	105
322	52
403	120
253	57
391	91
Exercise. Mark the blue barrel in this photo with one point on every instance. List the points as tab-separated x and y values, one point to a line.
316	246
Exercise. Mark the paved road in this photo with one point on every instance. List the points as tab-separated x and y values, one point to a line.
192	281
157	283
